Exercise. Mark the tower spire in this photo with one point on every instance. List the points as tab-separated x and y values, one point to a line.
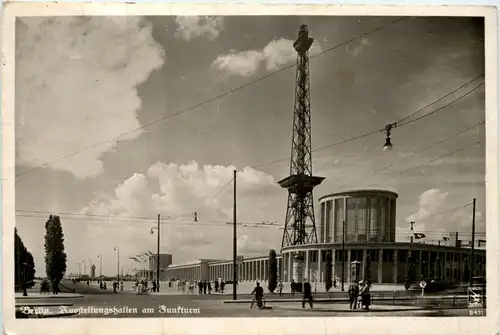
300	227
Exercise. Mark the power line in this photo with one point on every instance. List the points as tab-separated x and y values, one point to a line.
441	108
375	131
438	158
442	98
245	225
217	97
421	150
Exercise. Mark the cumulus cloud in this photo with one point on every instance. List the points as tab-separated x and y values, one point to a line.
191	27
176	192
274	55
76	80
438	214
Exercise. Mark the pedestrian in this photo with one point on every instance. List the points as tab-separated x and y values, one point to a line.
216	284
154	285
280	286
307	294
101	285
365	295
121	286
209	288
353	292
222	284
292	287
114	286
204	287
200	287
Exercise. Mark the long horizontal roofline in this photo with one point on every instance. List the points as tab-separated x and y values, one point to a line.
359	192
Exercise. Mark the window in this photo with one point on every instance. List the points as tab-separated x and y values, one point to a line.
351	220
339	219
361	219
322	222
329	220
387	255
374	214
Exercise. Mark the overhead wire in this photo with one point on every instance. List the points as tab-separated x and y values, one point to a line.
217	97
420	151
378	130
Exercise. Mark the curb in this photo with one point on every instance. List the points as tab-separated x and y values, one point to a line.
55	296
320	300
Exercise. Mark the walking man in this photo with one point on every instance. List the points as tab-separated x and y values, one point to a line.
280	287
353	292
307	294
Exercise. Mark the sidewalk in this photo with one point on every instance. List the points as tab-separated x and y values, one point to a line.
345	308
19	296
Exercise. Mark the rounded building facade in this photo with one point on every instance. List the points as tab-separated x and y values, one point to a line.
367	215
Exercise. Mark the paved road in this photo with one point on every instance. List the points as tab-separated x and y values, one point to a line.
132	305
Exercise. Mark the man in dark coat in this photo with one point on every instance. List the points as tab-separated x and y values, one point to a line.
307	294
353	292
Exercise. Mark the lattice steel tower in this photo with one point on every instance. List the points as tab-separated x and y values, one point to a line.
300	227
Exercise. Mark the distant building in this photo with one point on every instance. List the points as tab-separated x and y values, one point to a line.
165	261
150	272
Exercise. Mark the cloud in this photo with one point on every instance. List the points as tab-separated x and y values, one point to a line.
191	27
75	75
438	215
176	192
274	55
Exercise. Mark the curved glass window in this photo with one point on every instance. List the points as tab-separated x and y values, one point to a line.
361	220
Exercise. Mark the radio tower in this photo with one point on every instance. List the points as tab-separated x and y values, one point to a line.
300	225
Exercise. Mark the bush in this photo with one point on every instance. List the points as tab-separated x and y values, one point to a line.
273	271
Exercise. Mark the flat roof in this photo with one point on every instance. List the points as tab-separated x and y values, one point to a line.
359	192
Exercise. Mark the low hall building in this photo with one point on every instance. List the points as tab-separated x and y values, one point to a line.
357	225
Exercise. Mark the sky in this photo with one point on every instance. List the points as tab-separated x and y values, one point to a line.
106	136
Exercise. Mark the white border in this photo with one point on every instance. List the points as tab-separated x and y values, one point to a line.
385	325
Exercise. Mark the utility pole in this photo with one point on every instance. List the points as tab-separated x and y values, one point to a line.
100	266
343	253
117	248
411	237
473	263
158	258
235	276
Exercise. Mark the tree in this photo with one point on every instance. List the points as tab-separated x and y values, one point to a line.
328	271
24	265
408	271
55	257
273	271
367	265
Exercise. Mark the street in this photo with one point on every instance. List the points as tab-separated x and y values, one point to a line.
127	304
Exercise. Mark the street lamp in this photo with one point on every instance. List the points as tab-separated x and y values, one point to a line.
90	268
157	254
117	248
100	265
388	145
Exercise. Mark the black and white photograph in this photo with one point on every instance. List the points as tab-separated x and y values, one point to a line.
249	166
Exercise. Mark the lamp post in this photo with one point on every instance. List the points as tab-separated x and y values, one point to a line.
117	248
157	254
90	268
100	265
